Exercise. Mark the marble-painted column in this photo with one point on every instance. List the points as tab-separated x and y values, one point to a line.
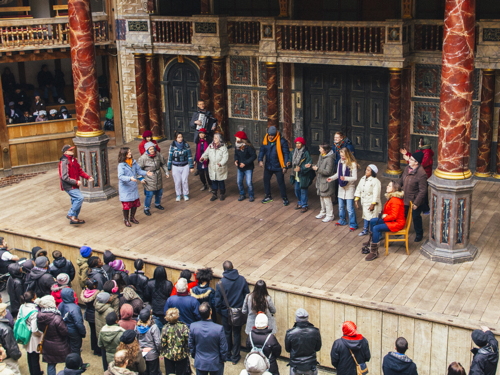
287	102
451	185
394	129
91	141
272	95
485	133
405	110
4	141
205	81
141	92
219	95
153	97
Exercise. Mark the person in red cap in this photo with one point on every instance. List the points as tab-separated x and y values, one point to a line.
244	156
147	136
301	176
202	167
69	174
349	345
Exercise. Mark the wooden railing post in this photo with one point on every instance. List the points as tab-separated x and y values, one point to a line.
4	140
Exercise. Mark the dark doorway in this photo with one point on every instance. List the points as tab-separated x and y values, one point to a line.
182	96
351	100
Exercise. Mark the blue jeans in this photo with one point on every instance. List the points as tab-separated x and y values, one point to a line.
366	224
377	227
219	185
76	202
149	197
350	210
248	178
301	194
51	368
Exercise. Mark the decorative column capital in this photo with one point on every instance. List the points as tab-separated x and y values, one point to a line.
395	70
271	63
96	133
138	55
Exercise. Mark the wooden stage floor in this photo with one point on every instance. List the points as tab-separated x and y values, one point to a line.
286	248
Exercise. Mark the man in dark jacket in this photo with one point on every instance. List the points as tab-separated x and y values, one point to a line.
96	273
108	257
6	257
244	156
8	342
350	342
202	119
39	279
15	287
261	337
207	343
69	174
73	318
275	150
397	363
138	279
236	288
302	342
186	304
485	359
61	265
37	251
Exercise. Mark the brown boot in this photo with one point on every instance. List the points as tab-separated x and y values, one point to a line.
132	215
366	245
125	218
373	252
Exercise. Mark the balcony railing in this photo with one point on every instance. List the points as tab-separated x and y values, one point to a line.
243	32
173	31
428	35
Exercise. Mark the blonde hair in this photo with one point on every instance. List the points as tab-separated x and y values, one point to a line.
172	315
349	157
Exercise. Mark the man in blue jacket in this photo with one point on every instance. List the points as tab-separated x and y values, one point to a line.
275	149
184	302
72	316
398	362
207	344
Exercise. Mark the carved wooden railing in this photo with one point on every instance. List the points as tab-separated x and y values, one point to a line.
427	35
243	31
174	30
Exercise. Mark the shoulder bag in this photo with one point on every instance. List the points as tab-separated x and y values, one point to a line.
39	347
361	368
235	315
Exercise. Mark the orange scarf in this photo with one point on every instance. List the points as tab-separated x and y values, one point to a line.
129	161
279	151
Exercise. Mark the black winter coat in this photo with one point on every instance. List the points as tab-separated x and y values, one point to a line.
272	350
485	359
236	288
40	281
157	296
72	314
246	156
99	275
110	271
8	341
140	281
89	304
395	363
62	265
55	344
342	359
302	342
15	287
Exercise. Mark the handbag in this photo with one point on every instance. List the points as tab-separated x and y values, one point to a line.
235	315
361	368
39	347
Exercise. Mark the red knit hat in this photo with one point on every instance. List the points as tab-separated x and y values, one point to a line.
349	328
301	140
147	133
202	130
241	134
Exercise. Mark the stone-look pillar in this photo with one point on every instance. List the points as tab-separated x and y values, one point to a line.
272	95
205	81
284	8
4	141
287	102
405	110
141	92
219	92
394	130
90	139
153	99
485	124
451	185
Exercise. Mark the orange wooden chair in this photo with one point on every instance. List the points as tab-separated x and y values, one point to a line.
405	232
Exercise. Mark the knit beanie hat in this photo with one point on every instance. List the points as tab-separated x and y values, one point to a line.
301	140
85	251
144	315
46	302
103	297
147	133
63	279
117	265
272	130
108	257
479	337
301	315
349	328
148	145
181	285
41	262
418	156
28	265
241	135
261	321
128	336
73	361
111	318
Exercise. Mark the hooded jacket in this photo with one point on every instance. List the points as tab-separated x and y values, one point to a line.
131	297
40	281
36	251
55	344
157	295
101	312
99	275
109	339
154	164
394	208
414	183
87	296
62	265
485	360
126	314
83	267
140	281
71	313
341	357
302	342
15	287
70	172
8	341
149	337
56	293
236	288
395	363
114	370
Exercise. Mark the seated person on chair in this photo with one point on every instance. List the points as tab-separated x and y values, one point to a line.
392	220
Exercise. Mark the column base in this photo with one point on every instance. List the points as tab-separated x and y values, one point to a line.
393	174
482	175
443	255
100	195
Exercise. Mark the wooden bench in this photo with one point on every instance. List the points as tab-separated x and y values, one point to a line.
405	232
25	10
61	10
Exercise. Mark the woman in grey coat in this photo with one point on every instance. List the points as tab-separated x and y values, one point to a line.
153	161
324	169
259	301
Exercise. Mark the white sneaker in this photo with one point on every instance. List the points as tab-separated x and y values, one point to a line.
320	216
327	219
178	199
186	197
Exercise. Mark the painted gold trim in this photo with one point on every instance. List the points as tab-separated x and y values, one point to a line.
393	173
96	133
453	175
489	72
481	174
270	63
395	70
158	138
496	175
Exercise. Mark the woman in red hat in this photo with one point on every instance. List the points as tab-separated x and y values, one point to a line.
301	177
244	156
147	136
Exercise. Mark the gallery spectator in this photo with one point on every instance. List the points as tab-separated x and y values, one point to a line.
64	113
38	105
53	115
46	83
42	116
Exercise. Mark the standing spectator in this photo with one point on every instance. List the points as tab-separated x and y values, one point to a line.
256	364
83	265
102	309
8	81
187	305
8	342
60	85
6	257
302	342
127	320
149	337
128	170
339	142
186	274
38	105
37	251
88	297
347	174
414	182
147	136
207	344
119	269
174	344
259	301
236	288
275	150
74	320
217	156
202	167
180	162
61	284
244	157
301	178
55	338
61	265
152	161
74	365
368	191
30	308
203	292
139	279
46	83
96	273
15	287
70	173
202	119
119	364
349	345
157	292
39	279
110	335
21	99
456	368
485	358
130	296
107	258
262	337
324	168
424	146
398	362
135	357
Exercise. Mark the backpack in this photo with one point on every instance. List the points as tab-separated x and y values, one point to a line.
22	333
259	351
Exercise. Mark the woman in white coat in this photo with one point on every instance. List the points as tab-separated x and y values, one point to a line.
217	154
368	192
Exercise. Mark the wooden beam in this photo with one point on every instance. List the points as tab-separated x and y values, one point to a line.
4	139
37	55
114	93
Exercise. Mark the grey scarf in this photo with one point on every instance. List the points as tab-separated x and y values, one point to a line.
297	156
